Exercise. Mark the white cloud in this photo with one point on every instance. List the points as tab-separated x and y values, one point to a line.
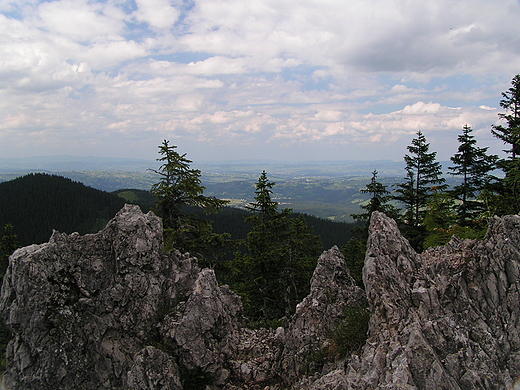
329	116
399	89
111	53
216	65
421	108
437	37
231	72
80	20
158	14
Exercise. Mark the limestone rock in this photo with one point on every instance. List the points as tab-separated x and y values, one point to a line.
112	310
445	319
332	290
96	311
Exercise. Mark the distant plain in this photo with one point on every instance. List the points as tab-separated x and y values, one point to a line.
329	189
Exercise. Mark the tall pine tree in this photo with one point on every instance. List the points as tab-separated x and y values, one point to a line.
180	186
510	135
423	179
379	198
473	165
354	250
274	274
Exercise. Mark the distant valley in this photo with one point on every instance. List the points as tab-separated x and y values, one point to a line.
325	189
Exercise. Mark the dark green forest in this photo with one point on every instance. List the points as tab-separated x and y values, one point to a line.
232	220
35	204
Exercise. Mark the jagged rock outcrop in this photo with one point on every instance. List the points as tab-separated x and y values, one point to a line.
446	319
113	311
284	356
332	290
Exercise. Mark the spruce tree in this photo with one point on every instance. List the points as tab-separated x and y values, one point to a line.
180	186
510	135
354	250
274	274
423	179
379	198
473	165
263	204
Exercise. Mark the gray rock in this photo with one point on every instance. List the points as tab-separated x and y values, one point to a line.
445	319
332	290
97	311
113	311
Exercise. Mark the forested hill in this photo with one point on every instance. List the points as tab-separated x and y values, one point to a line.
36	204
232	220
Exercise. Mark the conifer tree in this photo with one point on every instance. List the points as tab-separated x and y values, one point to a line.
379	198
423	178
263	203
473	165
180	186
510	135
273	275
354	250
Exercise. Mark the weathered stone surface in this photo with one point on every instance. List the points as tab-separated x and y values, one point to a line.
332	290
85	311
153	370
446	319
113	311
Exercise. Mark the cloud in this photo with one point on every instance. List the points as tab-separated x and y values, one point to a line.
159	14
421	108
216	65
80	20
399	89
437	37
111	53
278	74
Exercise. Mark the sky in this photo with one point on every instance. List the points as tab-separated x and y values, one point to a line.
284	80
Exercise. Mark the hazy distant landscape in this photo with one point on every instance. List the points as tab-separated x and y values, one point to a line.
324	189
329	189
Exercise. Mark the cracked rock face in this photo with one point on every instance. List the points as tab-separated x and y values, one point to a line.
111	310
332	290
446	319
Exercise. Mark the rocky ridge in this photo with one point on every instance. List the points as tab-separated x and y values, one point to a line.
445	319
112	310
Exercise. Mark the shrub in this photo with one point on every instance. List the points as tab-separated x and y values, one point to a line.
351	332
